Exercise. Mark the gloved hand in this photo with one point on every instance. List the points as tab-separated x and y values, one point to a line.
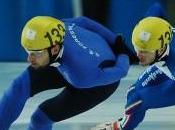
120	47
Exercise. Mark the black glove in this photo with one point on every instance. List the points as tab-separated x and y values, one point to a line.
120	48
106	64
119	45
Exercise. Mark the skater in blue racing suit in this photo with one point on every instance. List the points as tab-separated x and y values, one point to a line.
154	44
79	55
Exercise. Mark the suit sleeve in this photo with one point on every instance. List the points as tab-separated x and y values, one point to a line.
118	71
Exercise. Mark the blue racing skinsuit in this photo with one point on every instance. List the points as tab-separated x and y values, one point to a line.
86	68
155	88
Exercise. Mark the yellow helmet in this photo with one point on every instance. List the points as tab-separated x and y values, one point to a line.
42	32
151	34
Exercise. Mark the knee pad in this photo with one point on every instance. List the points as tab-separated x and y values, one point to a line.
40	121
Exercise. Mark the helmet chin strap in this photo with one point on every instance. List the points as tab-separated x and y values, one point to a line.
53	58
160	57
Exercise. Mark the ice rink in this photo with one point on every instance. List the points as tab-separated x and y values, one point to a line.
111	109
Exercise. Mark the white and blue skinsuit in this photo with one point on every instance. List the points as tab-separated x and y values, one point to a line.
155	88
87	68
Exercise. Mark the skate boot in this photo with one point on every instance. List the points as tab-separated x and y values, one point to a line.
108	126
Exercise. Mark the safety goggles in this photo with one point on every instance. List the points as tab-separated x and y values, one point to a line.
37	53
142	50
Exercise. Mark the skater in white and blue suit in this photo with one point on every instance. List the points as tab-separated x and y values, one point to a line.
154	44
